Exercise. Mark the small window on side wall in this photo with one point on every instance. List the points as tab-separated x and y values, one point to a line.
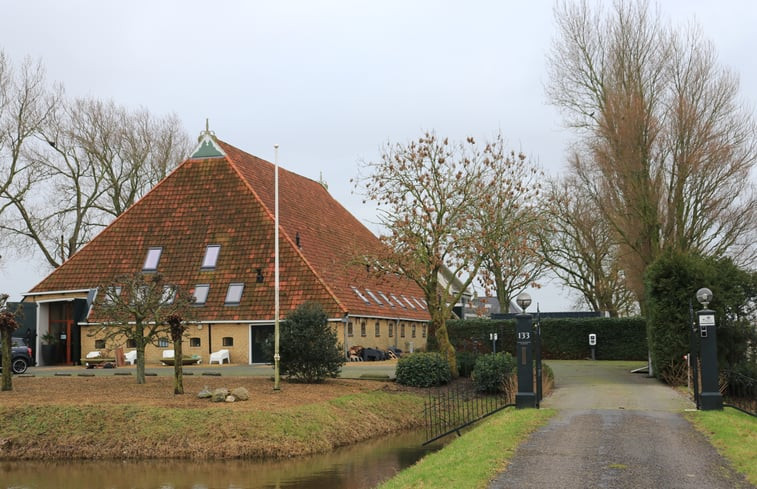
391	330
194	342
377	328
349	329
227	341
99	344
162	342
130	343
362	329
152	259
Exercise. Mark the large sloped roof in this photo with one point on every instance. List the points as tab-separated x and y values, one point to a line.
226	198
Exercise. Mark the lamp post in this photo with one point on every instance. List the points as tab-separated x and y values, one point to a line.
525	397
710	398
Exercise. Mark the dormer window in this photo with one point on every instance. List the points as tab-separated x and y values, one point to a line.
201	293
152	259
211	257
234	294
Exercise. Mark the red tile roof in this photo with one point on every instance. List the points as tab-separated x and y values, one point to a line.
229	201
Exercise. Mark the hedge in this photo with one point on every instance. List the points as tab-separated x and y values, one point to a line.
563	339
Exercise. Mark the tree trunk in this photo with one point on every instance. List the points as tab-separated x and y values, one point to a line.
178	368
445	345
7	360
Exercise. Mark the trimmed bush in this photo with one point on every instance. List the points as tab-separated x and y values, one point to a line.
491	371
466	360
423	370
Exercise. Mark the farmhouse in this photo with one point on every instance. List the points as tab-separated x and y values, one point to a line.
208	227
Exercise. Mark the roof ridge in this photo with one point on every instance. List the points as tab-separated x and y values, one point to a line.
271	215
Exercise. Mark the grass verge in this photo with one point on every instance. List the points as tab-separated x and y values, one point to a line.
734	435
130	431
493	442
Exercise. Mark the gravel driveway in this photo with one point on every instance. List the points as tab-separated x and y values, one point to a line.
615	429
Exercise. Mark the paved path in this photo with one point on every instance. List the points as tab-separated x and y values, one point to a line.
615	429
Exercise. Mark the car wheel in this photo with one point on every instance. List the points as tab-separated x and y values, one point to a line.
19	365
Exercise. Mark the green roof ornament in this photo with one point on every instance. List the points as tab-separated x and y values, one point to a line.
207	146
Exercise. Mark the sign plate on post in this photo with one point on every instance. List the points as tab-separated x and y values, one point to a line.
707	320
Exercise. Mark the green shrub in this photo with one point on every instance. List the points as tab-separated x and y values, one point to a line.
309	348
491	370
466	360
423	370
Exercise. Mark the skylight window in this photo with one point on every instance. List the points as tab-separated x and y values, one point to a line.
409	303
211	256
403	306
386	299
112	294
152	259
234	294
373	296
169	294
419	303
201	293
359	294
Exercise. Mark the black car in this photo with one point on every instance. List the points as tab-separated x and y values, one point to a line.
21	356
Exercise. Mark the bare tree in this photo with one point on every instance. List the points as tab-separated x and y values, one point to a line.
8	325
512	219
581	250
435	199
666	148
138	308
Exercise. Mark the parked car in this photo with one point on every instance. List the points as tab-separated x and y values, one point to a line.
21	356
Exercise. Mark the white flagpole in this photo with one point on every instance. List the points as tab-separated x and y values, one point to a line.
276	356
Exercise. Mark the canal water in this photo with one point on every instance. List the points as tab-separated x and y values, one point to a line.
360	466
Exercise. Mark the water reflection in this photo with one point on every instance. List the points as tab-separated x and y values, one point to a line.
356	467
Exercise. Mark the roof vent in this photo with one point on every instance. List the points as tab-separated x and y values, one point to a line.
297	239
322	181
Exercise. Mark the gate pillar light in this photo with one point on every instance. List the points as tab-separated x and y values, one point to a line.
710	398
525	397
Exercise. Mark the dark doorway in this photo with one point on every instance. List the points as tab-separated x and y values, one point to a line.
260	336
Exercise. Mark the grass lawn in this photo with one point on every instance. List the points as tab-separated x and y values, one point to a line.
734	434
474	459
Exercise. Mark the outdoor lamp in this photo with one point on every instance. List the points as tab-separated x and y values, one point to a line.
704	296
523	300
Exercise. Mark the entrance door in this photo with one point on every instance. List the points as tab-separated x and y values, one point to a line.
260	336
61	328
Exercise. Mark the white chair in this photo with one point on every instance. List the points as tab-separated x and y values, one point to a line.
130	357
219	356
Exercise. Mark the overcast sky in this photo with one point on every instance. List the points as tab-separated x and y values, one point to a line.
329	81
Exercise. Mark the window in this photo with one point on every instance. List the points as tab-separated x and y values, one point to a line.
419	303
99	344
373	296
234	294
162	342
377	327
169	294
362	329
131	343
403	306
152	259
402	330
386	299
391	330
349	329
359	294
211	257
201	293
194	342
423	330
227	341
409	303
112	294
412	331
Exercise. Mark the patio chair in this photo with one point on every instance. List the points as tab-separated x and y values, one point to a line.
219	356
130	357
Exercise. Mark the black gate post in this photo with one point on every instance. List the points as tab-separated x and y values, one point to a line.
711	398
537	354
694	354
525	397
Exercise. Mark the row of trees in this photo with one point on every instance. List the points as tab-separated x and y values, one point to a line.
662	162
68	166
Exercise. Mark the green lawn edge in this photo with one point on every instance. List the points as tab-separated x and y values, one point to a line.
473	460
734	436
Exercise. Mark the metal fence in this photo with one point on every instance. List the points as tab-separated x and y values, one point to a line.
740	392
449	409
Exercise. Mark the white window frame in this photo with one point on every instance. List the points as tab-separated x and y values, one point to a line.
210	259
234	298
152	259
206	288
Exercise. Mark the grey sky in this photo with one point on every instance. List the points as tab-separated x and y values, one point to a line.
329	81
